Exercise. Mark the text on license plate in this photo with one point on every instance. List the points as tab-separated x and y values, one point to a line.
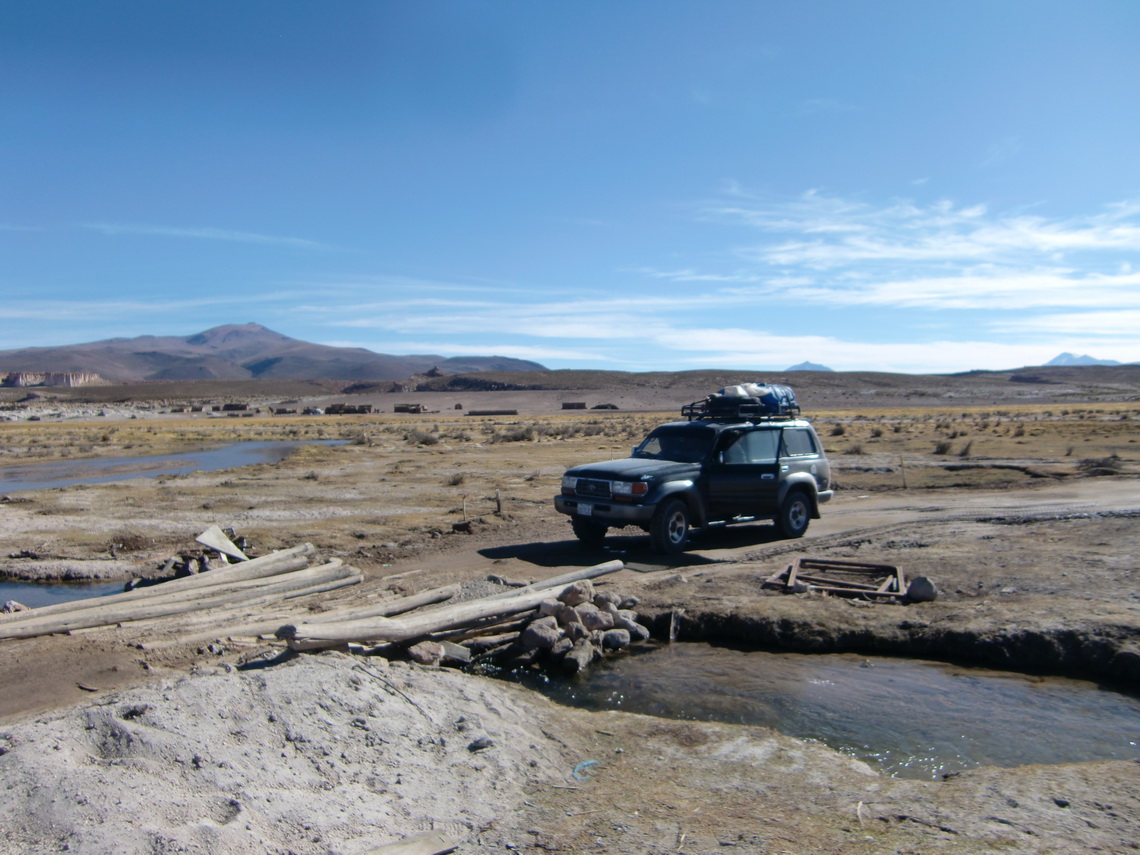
585	509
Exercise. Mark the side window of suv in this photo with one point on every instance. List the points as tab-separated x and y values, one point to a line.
758	446
799	443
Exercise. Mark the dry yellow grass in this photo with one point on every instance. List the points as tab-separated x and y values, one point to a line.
398	482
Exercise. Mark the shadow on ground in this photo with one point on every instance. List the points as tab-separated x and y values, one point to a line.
634	549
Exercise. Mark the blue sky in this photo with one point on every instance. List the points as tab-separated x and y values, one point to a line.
638	185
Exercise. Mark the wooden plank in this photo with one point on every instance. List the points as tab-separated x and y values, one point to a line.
777	578
821	580
216	539
838	564
833	590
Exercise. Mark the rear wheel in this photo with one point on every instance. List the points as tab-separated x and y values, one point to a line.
669	531
795	513
589	532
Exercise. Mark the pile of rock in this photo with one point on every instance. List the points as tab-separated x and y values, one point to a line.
574	630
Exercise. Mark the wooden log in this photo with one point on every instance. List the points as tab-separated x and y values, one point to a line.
236	591
314	636
283	561
303	580
563	580
222	621
391	607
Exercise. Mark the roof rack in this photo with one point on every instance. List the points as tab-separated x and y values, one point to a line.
742	409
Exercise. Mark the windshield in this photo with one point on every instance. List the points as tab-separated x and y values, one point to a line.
683	446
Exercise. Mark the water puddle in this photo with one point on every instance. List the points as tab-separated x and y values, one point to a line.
36	594
908	718
63	473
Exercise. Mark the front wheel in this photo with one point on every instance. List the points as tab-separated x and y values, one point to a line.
669	531
587	531
795	513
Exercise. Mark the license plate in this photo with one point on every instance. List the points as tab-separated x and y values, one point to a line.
585	509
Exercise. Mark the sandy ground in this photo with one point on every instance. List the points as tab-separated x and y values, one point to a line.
144	739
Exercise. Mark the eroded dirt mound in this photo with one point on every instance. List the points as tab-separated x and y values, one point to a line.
315	754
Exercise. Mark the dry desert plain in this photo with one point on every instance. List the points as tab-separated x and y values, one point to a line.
176	736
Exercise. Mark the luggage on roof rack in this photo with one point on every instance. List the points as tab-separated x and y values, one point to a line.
747	401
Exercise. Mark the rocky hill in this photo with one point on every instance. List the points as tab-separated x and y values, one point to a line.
239	352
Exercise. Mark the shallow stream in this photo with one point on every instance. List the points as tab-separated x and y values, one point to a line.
62	473
908	718
36	594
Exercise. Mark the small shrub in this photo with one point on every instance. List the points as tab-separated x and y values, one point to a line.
838	430
966	449
456	479
522	433
942	446
421	437
876	432
1101	466
857	448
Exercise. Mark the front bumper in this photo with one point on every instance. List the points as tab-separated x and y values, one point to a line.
605	512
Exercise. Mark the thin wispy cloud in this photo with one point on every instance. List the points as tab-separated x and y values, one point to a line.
209	233
116	309
935	256
1099	325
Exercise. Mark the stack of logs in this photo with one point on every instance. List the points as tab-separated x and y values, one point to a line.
561	621
274	578
569	624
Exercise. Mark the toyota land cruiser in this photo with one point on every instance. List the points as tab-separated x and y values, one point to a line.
702	472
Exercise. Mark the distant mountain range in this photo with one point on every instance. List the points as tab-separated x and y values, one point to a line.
240	352
1073	359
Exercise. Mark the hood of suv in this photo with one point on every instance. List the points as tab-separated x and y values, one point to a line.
634	469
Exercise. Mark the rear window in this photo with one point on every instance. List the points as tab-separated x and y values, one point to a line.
758	446
798	442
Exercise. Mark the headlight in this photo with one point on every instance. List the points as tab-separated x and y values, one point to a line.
569	484
630	488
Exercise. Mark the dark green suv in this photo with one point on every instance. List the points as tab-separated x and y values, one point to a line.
699	473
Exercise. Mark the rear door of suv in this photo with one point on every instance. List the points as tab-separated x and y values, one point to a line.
799	452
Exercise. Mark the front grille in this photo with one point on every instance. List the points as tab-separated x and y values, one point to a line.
592	489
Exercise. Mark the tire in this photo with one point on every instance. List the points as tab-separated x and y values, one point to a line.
669	530
795	514
587	531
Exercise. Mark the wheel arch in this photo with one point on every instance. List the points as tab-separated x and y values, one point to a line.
686	492
806	485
